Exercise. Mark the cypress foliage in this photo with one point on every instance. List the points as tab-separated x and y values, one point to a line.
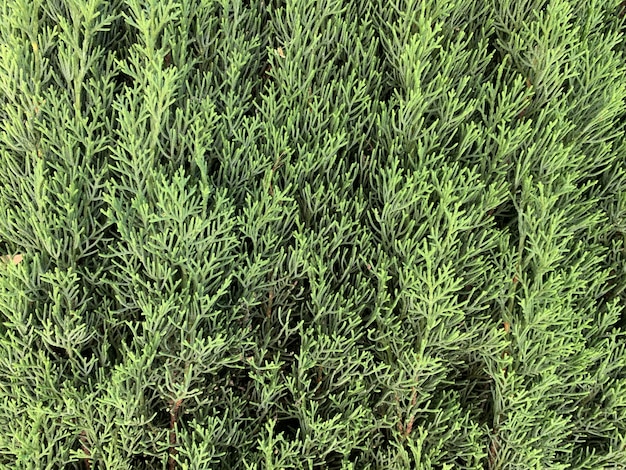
312	234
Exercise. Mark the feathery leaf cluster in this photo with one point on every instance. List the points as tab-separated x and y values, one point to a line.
312	234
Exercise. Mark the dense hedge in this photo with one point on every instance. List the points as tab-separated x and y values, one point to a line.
312	234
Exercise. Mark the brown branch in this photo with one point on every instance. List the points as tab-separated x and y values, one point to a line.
268	309
409	427
83	445
493	451
173	420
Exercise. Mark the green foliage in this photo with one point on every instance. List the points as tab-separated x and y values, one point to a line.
312	234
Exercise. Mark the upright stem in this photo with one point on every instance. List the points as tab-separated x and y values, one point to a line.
173	421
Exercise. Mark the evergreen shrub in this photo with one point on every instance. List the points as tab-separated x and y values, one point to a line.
312	234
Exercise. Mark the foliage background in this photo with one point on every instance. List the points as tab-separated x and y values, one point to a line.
312	234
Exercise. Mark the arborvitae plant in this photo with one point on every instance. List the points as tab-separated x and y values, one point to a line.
312	234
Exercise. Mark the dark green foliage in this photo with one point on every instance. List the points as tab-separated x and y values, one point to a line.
312	234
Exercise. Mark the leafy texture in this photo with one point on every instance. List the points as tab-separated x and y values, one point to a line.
312	234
